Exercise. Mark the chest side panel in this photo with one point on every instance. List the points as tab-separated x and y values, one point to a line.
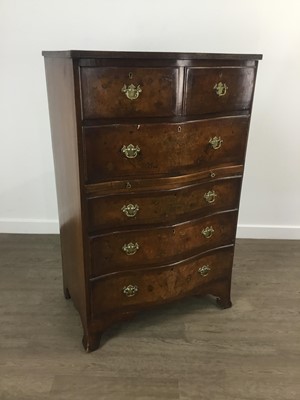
61	98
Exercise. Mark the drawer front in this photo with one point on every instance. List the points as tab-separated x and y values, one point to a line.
133	249
128	151
155	286
212	90
165	206
128	92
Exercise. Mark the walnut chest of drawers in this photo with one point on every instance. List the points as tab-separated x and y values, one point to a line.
149	153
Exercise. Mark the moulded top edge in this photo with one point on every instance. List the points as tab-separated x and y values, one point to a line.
149	55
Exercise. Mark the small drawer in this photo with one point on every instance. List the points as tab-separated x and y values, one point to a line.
215	90
133	289
122	151
163	206
133	249
128	92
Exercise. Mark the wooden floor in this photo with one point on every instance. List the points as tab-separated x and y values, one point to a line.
187	350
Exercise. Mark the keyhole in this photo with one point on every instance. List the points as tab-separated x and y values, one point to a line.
130	75
179	129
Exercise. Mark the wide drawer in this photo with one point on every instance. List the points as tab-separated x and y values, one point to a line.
163	206
213	90
127	150
128	92
133	249
154	286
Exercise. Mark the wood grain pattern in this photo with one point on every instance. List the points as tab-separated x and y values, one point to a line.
250	351
185	148
61	98
157	286
161	207
160	245
102	96
171	182
93	123
201	98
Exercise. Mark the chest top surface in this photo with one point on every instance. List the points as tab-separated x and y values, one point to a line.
149	55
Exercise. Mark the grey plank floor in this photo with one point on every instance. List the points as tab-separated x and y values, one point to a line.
185	350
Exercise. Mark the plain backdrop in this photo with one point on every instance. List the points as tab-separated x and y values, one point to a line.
271	190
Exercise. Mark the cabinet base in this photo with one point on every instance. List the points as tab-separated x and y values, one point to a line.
67	293
224	302
91	342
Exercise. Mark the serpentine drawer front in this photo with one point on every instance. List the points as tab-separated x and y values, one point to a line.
110	253
160	285
149	153
163	149
157	207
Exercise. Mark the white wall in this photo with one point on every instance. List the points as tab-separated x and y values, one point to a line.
271	190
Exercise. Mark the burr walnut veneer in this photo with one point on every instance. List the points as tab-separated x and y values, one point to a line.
149	153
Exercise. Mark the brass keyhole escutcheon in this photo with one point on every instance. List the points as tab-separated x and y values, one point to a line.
203	271
130	290
208	232
220	88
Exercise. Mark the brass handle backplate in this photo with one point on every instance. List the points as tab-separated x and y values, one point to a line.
216	142
130	210
203	271
130	151
130	290
132	92
220	88
210	196
130	248
208	232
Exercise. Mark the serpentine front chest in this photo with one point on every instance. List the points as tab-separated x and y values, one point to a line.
149	153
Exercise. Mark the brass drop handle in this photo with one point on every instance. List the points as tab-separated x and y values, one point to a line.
130	210
130	151
210	196
208	232
216	142
130	248
132	92
220	88
130	290
203	271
